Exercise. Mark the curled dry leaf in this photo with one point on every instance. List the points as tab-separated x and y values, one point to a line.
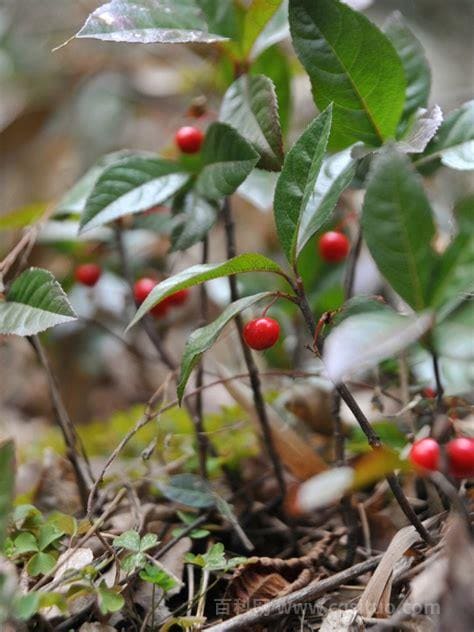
262	579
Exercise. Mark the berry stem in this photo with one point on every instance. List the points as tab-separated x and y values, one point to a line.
249	361
372	437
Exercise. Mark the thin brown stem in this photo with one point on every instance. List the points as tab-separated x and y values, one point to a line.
254	376
439	384
372	437
351	266
75	450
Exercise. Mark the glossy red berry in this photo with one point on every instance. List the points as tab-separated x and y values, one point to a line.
426	454
189	139
261	333
142	288
160	310
333	246
179	298
88	274
429	392
460	453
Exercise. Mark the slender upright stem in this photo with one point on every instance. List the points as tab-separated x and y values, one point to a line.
199	422
249	361
439	384
351	266
71	439
372	437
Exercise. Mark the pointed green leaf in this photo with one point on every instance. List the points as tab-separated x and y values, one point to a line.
221	16
148	21
363	340
454	142
334	177
7	481
202	339
453	279
134	184
276	30
275	64
352	64
40	564
21	217
415	65
248	262
158	576
227	161
257	17
296	183
48	534
193	223
189	490
35	302
25	606
148	541
250	106
398	227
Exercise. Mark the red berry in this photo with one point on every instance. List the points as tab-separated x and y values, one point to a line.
160	310
425	454
333	246
179	298
460	453
88	274
142	288
189	139
429	392
261	333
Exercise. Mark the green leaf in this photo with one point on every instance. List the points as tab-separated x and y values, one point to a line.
25	543
352	64
275	64
364	340
248	262
7	482
40	564
131	562
227	160
335	175
454	142
147	22
453	337
189	490
129	540
48	534
149	541
25	606
453	279
202	339
132	185
250	105
155	575
74	200
63	522
257	17
193	223
398	227
109	600
420	129
276	29
221	16
35	302
415	65
296	183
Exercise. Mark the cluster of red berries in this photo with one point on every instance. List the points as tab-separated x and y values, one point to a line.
144	286
426	454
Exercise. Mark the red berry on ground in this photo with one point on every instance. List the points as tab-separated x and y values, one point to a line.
261	333
142	288
179	298
189	139
429	392
426	454
333	246
460	454
88	274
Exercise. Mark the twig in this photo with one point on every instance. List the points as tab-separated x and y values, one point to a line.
284	605
201	438
249	361
439	384
372	437
351	266
71	438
